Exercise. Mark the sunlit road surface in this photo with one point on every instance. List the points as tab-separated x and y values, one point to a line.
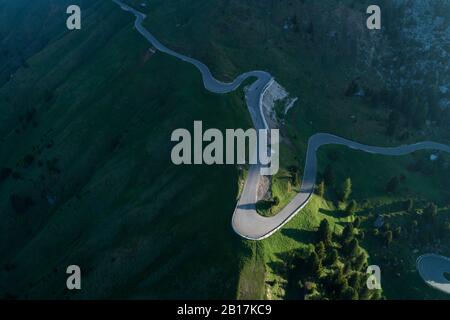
431	268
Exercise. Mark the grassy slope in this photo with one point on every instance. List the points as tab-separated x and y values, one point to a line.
138	226
372	200
117	226
233	37
25	29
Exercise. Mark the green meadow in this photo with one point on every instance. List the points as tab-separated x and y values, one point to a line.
369	174
104	192
85	134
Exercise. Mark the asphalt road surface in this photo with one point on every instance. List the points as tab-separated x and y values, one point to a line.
432	268
249	224
246	221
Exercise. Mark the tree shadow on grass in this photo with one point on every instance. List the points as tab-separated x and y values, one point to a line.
286	177
281	266
388	208
377	210
337	214
286	267
304	236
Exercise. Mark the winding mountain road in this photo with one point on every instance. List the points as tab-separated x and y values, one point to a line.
246	221
249	224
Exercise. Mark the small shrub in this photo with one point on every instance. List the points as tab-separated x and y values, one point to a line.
5	173
20	204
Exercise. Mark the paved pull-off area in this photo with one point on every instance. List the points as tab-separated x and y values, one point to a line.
246	221
432	268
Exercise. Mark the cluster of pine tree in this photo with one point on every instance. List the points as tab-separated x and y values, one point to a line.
335	268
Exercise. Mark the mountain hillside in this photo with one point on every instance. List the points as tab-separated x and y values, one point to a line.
86	118
87	177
